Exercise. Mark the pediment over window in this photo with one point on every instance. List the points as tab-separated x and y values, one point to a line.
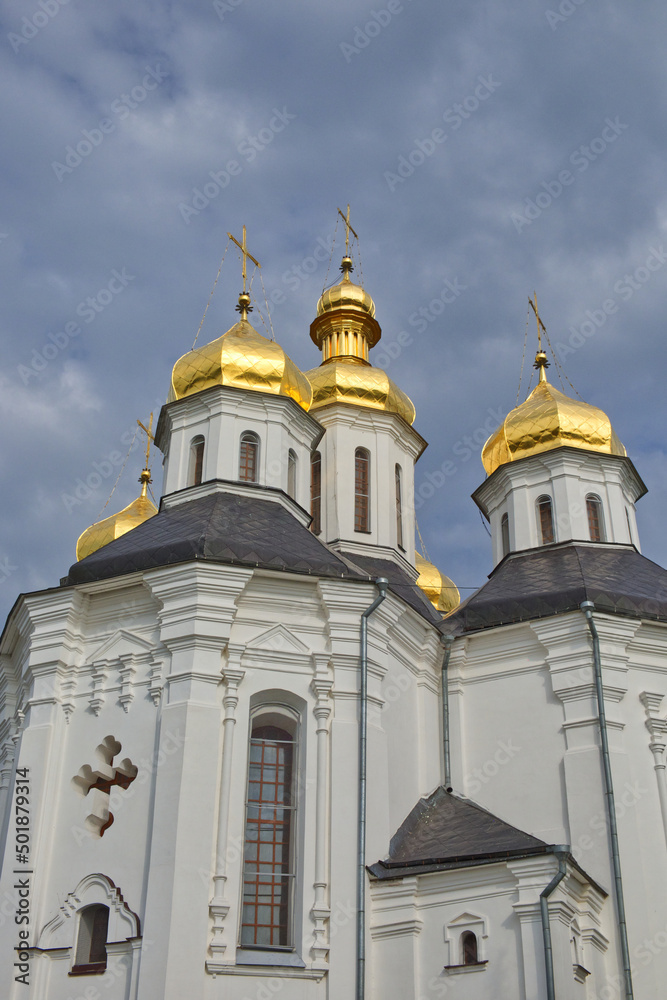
124	923
278	640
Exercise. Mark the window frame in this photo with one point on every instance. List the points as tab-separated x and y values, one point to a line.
398	481
505	534
87	923
196	463
292	465
248	438
545	503
316	492
362	492
285	717
594	504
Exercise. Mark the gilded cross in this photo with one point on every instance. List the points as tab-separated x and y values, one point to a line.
246	254
348	230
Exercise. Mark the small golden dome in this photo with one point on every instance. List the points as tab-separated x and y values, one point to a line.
345	329
549	419
103	532
441	592
351	380
346	295
244	359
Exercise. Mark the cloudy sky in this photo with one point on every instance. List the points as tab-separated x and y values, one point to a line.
487	150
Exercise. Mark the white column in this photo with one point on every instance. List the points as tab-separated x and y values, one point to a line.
219	904
321	911
657	727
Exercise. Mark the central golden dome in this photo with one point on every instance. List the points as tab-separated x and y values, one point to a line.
244	359
345	329
549	419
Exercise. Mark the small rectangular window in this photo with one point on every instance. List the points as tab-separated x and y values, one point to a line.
361	490
316	492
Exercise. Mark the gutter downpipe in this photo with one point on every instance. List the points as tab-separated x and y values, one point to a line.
561	851
588	607
447	641
382	583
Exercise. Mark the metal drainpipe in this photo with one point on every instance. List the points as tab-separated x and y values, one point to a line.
561	851
381	583
588	607
447	641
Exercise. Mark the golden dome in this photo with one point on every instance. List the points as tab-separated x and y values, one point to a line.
351	380
244	359
346	295
441	592
103	532
549	419
345	329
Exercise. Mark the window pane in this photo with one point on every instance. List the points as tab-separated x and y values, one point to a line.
399	508
361	490
248	459
593	508
546	520
267	881
316	492
505	533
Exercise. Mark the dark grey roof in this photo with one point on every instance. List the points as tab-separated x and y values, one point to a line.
217	527
446	831
554	579
399	583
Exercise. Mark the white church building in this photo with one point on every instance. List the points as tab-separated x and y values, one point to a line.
253	746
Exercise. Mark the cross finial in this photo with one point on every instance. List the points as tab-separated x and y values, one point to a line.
348	230
541	362
145	477
244	306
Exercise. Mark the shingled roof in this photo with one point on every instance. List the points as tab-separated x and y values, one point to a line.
217	527
238	529
553	579
446	831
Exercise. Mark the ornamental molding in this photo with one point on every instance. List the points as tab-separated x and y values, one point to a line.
124	924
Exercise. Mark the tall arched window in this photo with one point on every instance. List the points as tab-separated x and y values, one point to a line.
316	492
196	468
91	941
291	473
469	948
595	522
249	457
399	506
362	469
269	854
505	533
545	520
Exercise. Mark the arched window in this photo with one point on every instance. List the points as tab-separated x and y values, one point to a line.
269	854
316	492
91	941
196	468
545	520
362	468
505	532
595	522
291	473
248	457
399	507
469	948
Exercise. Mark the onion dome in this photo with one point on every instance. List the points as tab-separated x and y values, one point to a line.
549	419
440	590
103	532
345	329
241	358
